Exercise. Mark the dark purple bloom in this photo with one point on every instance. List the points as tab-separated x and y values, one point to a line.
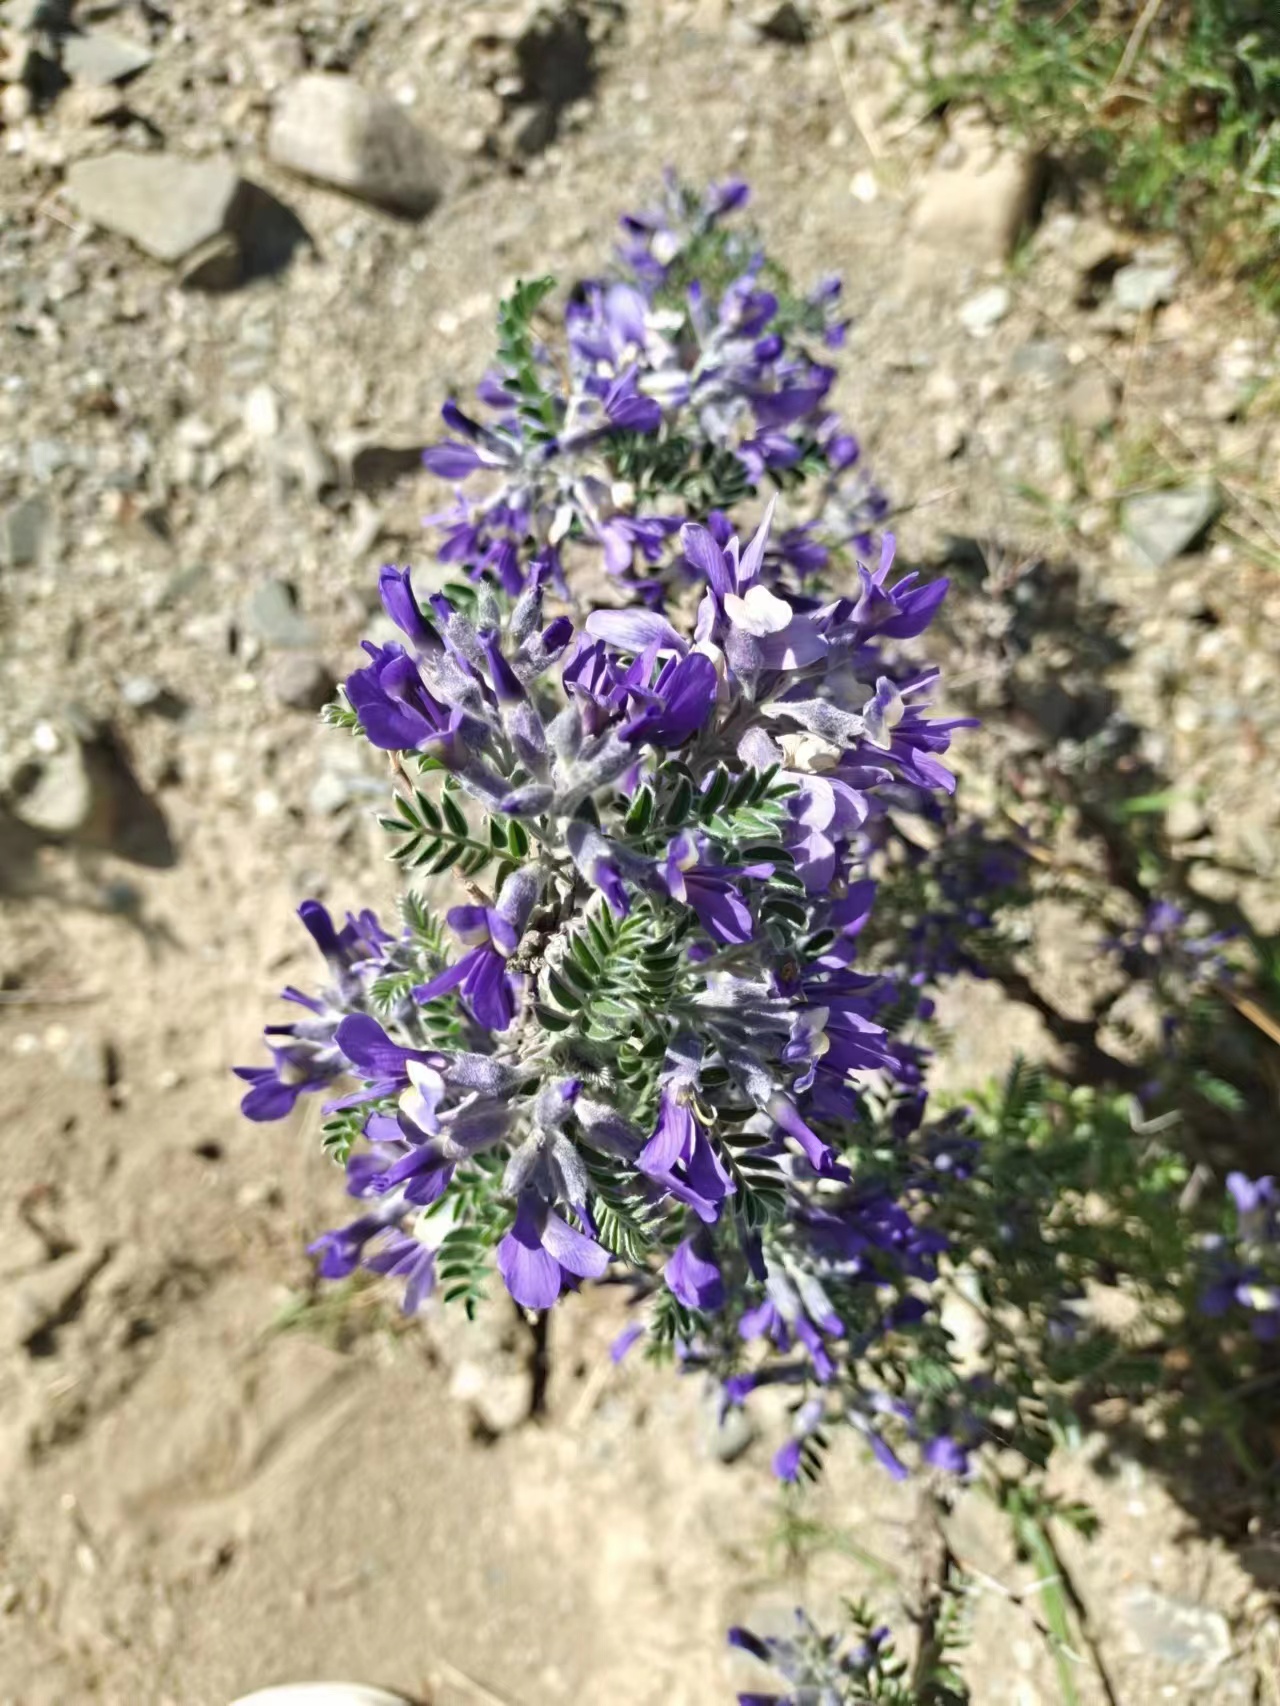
493	934
397	711
396	589
710	889
680	1155
276	1088
679	703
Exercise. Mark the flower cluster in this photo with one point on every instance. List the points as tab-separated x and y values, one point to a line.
1244	1262
820	1669
642	1044
664	393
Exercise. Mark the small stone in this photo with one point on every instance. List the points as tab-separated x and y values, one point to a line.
1040	359
26	532
1176	1630
785	22
1139	288
365	528
497	1397
301	682
1090	401
1164	525
55	793
168	206
727	1438
140	692
328	128
99	58
298	457
1097	253
261	414
273	615
1184	820
983	312
331	790
949	436
978	198
16	104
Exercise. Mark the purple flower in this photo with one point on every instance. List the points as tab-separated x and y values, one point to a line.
946	1453
405	1258
694	1277
476	448
680	1155
597	859
679	703
275	1089
311	1057
493	934
338	1253
397	711
371	1051
542	1252
710	889
395	586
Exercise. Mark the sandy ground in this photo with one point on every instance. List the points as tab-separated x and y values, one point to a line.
208	1483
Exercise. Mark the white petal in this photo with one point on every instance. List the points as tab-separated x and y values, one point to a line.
761	612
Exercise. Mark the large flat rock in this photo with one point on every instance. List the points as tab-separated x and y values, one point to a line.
331	130
168	206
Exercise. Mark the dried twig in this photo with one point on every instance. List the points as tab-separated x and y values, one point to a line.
1133	47
460	1679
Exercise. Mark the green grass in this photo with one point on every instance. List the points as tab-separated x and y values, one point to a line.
1180	122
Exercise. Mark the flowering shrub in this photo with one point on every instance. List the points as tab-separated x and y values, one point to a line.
669	1034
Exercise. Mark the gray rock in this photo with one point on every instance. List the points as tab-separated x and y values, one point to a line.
168	206
26	532
98	58
331	790
298	458
727	1440
978	198
1175	1630
1090	401
301	682
273	615
329	129
1184	820
983	312
949	436
1162	525
55	794
1139	288
1041	360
